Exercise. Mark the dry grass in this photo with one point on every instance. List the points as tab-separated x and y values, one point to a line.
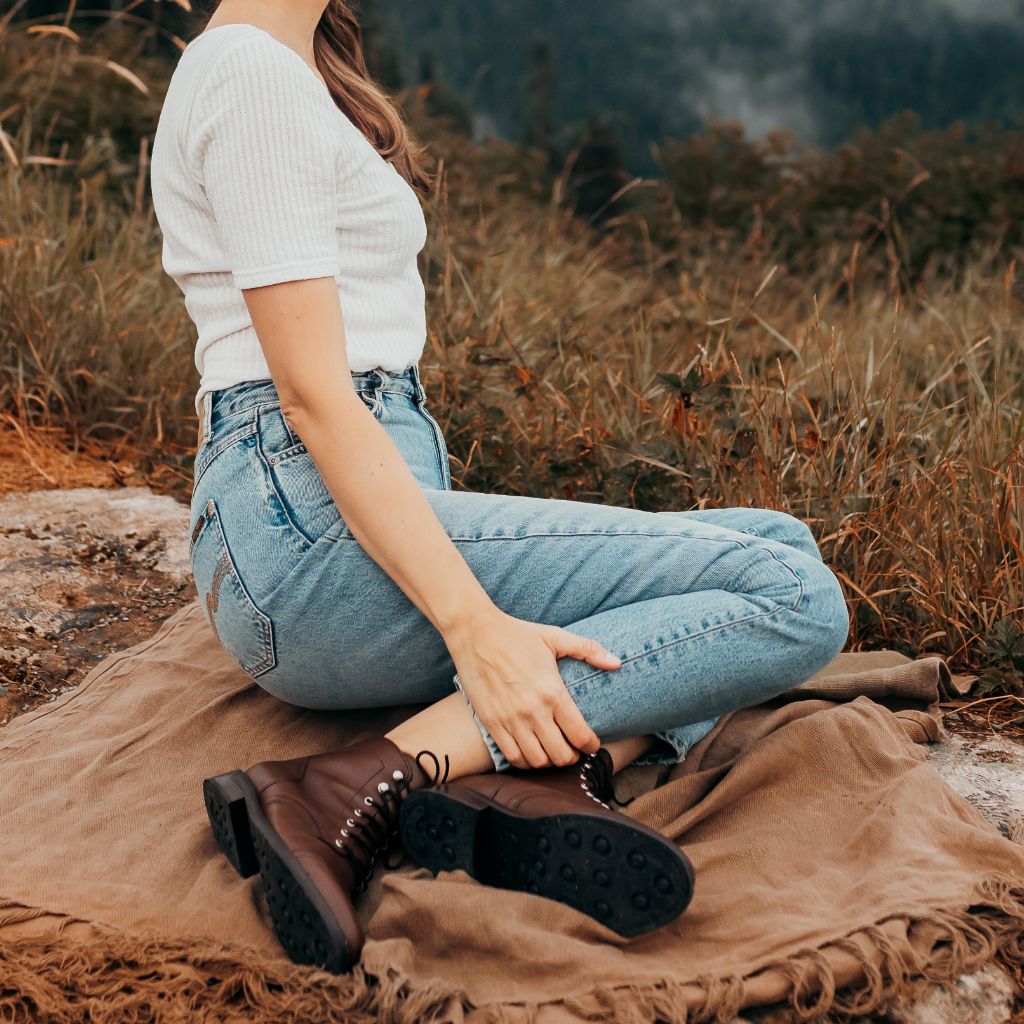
892	423
650	364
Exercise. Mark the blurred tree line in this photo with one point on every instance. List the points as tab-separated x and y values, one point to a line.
553	73
587	86
550	72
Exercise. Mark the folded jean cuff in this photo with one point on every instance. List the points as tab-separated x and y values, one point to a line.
676	742
501	763
673	748
662	753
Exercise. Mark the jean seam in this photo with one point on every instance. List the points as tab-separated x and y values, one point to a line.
207	460
576	683
595	533
295	439
264	624
799	582
588	533
287	454
442	451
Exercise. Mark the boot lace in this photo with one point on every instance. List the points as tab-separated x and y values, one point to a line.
372	826
596	778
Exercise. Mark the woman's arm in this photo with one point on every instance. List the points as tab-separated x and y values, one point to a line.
507	666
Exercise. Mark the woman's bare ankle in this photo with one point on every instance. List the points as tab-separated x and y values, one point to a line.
444	730
625	752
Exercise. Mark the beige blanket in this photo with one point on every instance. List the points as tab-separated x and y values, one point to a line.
834	867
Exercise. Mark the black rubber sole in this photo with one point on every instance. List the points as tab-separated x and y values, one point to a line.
303	921
622	875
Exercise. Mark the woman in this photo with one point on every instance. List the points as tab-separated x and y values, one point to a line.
554	641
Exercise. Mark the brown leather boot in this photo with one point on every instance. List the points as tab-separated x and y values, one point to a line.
552	832
313	827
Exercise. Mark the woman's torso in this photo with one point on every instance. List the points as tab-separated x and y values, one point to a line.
378	219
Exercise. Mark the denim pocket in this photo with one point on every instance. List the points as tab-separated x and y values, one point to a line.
294	478
244	631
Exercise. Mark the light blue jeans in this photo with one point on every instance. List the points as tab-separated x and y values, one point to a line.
709	610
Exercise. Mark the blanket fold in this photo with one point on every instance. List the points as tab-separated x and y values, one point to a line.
835	868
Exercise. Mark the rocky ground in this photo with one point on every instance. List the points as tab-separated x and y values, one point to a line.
88	571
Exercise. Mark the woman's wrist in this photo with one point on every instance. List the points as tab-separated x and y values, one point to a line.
466	618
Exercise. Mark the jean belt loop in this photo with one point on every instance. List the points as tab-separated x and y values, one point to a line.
206	422
378	391
421	394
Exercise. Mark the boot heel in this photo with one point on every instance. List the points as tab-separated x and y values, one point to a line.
225	798
441	828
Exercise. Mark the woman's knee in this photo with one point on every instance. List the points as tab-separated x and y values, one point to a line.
804	587
826	611
787	529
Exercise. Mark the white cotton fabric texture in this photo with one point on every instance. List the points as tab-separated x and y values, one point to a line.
259	177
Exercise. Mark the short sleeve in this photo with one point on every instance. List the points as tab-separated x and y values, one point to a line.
266	157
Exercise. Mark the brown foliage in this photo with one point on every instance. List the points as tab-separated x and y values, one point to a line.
661	363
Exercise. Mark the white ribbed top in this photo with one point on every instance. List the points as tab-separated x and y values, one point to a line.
258	177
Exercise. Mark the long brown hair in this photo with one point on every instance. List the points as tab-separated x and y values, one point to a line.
338	49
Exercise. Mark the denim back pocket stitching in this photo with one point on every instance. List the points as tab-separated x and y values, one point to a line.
225	584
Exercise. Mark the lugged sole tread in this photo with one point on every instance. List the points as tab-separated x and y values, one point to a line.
611	869
302	920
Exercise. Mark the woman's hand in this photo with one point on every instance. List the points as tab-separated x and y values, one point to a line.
508	671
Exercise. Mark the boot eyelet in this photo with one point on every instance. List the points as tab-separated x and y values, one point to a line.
397	776
358	813
368	800
350	823
339	844
383	787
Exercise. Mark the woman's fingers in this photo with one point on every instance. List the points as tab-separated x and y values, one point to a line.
570	720
566	715
532	749
508	746
557	748
584	648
